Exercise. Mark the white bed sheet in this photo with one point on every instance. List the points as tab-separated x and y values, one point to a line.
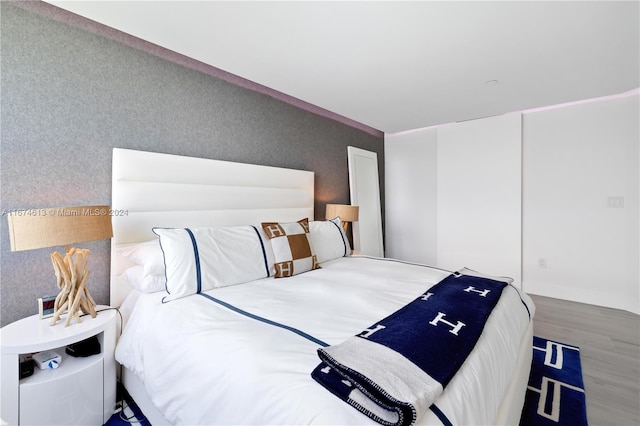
204	364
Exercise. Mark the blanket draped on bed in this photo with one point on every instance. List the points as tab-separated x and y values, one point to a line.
394	370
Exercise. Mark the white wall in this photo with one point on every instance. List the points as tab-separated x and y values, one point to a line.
574	158
410	196
575	246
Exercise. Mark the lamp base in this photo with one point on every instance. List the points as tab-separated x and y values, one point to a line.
72	275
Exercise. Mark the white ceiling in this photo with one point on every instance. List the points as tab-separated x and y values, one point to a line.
397	66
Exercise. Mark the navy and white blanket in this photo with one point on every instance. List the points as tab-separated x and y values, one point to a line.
395	370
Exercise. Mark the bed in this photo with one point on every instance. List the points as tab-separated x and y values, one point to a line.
237	345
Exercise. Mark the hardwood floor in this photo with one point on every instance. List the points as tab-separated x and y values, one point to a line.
609	342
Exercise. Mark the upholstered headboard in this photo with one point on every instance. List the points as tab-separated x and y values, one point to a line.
162	190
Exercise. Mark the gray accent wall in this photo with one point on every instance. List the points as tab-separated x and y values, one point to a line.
69	96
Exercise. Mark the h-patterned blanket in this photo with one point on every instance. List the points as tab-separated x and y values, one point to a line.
395	370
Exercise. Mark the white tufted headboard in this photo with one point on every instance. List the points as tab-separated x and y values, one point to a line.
162	190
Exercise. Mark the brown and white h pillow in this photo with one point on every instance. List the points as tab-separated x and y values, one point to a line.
291	247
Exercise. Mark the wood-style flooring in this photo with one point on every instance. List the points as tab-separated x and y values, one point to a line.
609	342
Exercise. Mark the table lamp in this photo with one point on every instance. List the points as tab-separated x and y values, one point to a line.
346	213
58	226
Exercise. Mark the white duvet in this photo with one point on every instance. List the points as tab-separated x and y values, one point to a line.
204	364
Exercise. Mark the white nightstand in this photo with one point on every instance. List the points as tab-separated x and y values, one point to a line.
81	391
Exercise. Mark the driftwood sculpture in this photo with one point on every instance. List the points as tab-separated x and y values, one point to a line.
72	275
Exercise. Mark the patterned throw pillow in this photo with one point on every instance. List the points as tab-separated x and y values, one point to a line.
291	247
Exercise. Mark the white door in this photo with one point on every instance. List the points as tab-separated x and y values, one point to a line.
479	220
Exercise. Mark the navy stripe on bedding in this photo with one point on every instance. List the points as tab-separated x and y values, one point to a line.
440	415
197	260
265	320
344	243
264	252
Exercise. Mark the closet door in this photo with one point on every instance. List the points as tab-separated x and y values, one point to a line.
479	207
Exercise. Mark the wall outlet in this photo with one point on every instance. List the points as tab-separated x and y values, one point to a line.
615	202
542	263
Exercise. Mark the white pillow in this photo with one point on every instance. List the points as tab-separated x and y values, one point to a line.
200	259
328	239
144	283
147	254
